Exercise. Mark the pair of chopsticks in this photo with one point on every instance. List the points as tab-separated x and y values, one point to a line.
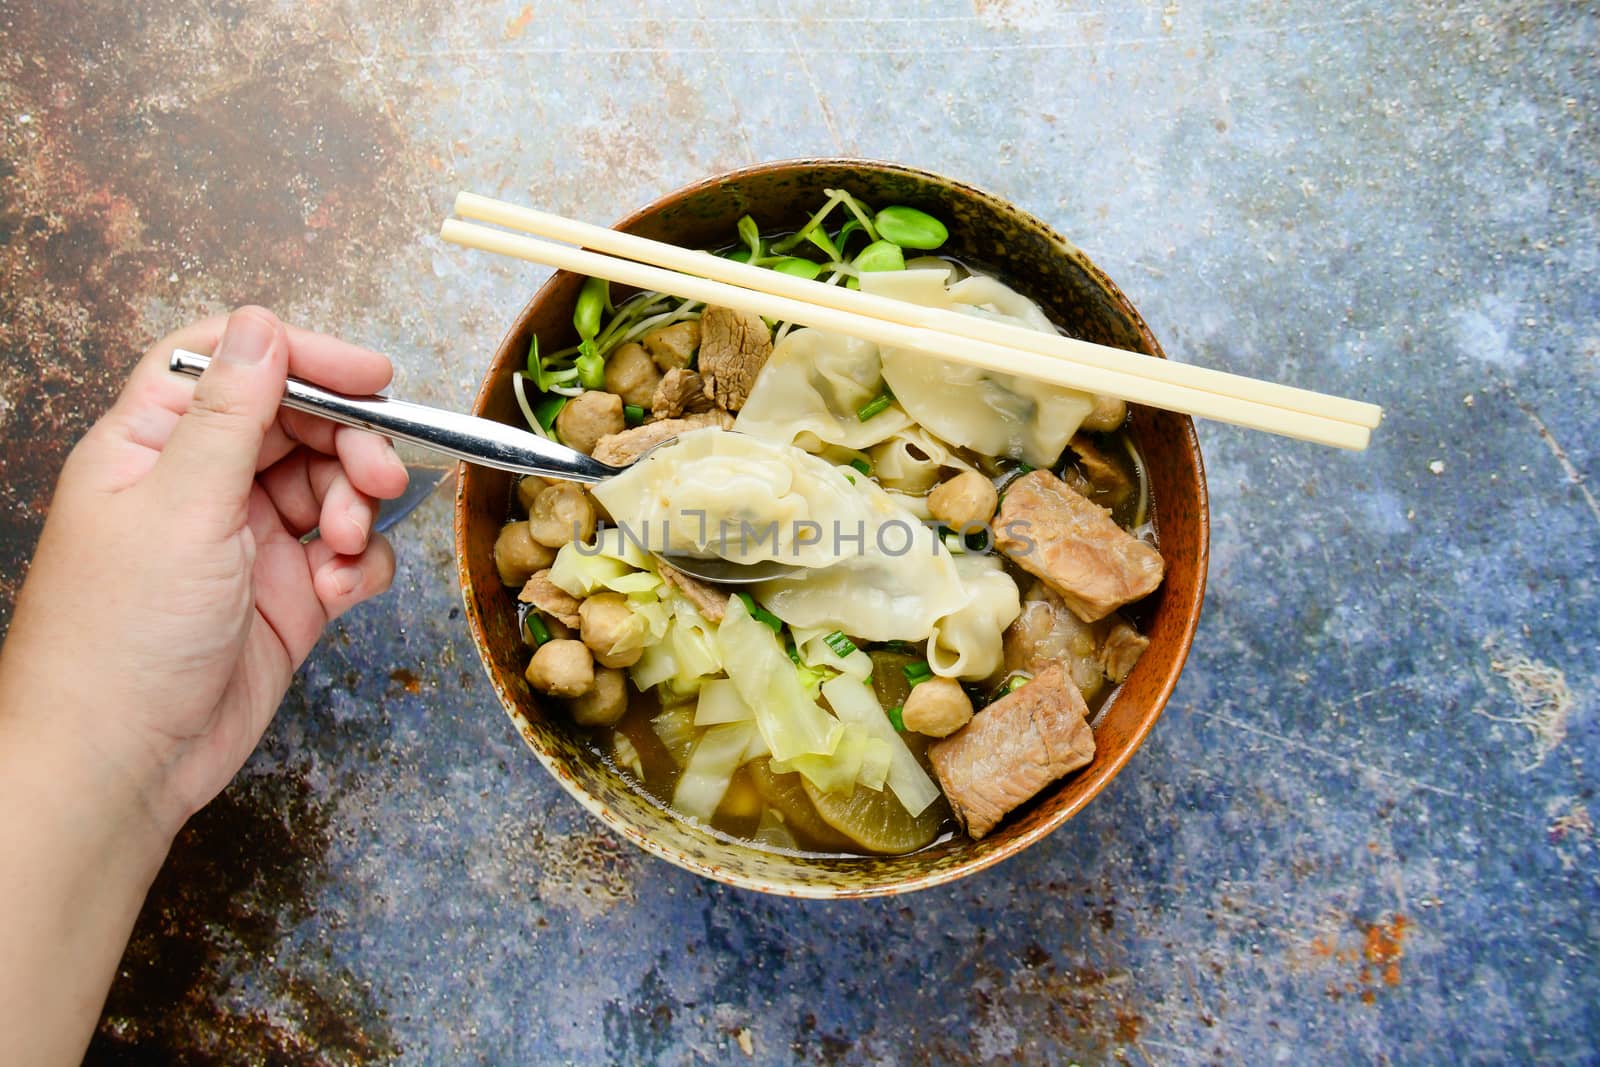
980	342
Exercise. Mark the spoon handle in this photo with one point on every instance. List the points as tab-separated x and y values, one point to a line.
466	437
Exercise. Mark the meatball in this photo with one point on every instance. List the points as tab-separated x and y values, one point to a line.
632	375
938	708
608	621
560	514
588	417
562	669
965	502
673	346
604	704
517	556
529	486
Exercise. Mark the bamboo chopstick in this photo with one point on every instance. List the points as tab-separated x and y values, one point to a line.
657	253
978	352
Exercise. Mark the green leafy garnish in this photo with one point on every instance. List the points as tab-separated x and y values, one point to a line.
876	406
897	718
917	673
841	645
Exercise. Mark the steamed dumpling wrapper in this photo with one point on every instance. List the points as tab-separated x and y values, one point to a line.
968	643
995	414
712	493
813	384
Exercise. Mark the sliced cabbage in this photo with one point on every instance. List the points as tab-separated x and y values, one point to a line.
854	703
674	727
716	755
720	703
613	562
860	758
790	722
686	653
812	645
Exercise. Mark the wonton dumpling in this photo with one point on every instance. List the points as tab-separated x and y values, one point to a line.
968	643
715	493
911	461
813	384
996	414
881	593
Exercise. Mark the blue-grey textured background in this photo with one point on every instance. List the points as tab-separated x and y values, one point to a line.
1364	829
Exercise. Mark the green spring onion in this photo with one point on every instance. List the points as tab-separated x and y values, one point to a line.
1015	682
761	614
862	465
876	406
1026	468
534	631
897	718
842	646
633	414
917	673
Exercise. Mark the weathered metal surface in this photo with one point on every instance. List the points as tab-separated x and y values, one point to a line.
1365	827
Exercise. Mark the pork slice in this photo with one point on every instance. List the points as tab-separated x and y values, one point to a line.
620	449
680	390
550	598
1048	632
1056	534
1110	483
1012	749
1121	649
708	600
734	346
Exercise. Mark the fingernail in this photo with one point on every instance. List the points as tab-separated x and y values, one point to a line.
360	516
346	580
396	462
247	339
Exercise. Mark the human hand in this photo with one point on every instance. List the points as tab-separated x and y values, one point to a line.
170	599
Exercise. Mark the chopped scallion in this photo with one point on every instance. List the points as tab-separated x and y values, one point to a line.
876	406
1015	682
534	630
862	465
917	673
842	646
1026	468
897	718
633	414
761	614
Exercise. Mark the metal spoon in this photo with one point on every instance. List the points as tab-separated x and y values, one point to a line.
487	444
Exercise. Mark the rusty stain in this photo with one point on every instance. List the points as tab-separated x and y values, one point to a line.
518	26
1376	955
241	873
173	163
406	680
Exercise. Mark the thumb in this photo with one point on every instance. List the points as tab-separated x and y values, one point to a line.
213	450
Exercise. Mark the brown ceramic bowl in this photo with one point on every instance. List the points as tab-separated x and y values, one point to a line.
987	233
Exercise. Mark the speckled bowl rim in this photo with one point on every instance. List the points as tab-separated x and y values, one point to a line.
1099	774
